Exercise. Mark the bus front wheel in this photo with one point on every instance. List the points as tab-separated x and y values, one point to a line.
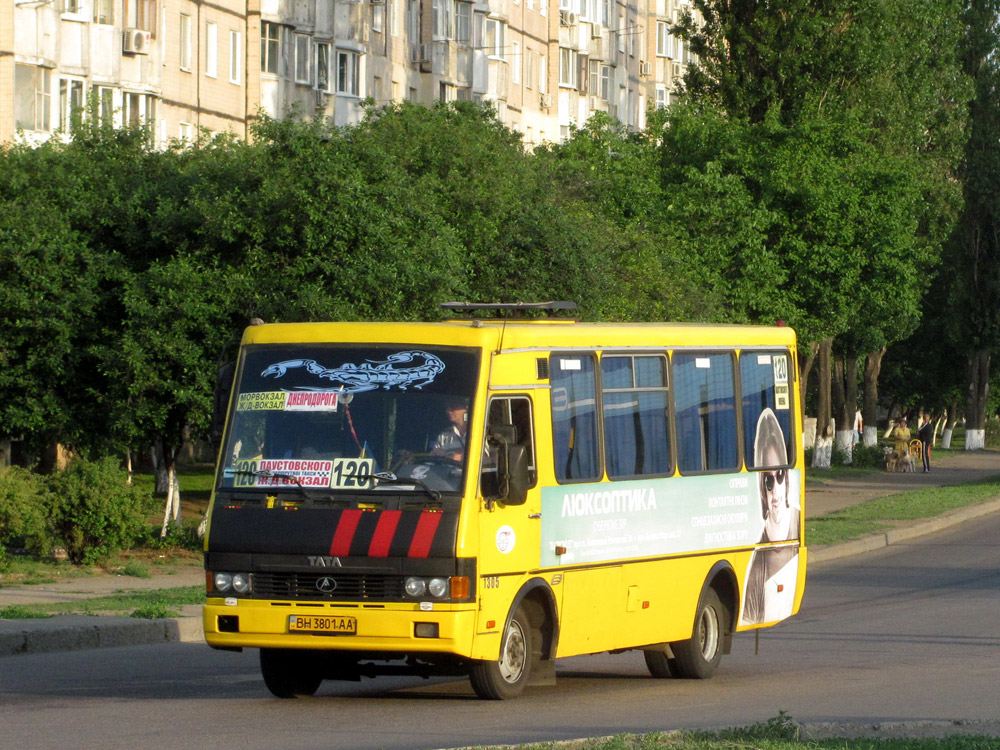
289	673
697	657
507	676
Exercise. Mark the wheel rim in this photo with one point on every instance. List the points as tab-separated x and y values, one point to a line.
708	633
513	654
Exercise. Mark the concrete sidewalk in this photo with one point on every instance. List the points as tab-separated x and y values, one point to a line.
69	632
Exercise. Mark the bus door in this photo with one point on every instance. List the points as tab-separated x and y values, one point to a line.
510	535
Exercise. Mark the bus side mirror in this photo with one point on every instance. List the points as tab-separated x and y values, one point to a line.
508	482
512	465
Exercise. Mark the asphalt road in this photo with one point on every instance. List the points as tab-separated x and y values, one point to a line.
905	634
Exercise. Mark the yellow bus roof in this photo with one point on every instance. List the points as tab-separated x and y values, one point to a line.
523	334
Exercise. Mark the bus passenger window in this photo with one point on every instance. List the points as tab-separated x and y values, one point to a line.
574	418
705	408
764	381
636	435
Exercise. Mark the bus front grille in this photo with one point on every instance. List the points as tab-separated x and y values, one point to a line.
339	586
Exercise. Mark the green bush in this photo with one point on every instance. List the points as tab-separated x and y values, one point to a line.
96	511
992	437
868	456
24	511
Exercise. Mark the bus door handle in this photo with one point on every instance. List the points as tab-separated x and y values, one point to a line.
534	515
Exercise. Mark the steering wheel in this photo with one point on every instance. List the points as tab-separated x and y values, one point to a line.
425	458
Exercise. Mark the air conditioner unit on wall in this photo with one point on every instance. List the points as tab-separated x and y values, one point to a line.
545	100
136	41
645	68
567	18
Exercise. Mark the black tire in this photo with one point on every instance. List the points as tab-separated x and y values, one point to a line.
507	677
289	673
697	657
659	664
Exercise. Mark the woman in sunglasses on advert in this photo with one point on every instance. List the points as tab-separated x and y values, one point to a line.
770	586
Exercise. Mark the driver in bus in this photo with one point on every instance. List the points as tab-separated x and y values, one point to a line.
451	441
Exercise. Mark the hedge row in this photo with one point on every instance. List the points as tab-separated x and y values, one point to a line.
89	509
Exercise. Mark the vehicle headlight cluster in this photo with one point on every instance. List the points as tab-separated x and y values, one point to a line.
237	583
438	588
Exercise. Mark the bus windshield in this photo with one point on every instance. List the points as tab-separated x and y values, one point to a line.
350	418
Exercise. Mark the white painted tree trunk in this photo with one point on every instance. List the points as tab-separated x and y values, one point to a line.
946	437
845	445
172	506
822	452
975	440
871	436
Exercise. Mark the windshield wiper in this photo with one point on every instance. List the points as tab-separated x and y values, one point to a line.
389	478
268	474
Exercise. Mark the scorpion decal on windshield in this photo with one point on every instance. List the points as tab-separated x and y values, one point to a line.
368	376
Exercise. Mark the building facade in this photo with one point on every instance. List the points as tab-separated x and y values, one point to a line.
185	66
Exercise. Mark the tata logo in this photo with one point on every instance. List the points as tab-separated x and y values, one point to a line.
320	561
326	584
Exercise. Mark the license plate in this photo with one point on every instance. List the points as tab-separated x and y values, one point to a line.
322	625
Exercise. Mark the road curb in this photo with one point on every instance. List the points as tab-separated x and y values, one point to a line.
881	539
75	632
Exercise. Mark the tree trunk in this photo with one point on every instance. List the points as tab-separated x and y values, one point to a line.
172	505
159	470
976	399
824	440
949	425
869	408
805	369
5	448
843	415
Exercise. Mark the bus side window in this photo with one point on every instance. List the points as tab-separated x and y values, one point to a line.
636	434
705	408
574	418
764	380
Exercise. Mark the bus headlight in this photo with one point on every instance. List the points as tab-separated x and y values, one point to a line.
438	587
223	582
415	586
241	583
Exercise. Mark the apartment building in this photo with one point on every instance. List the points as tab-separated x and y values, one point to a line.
187	66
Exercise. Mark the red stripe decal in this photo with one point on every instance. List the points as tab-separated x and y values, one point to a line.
344	535
424	535
384	531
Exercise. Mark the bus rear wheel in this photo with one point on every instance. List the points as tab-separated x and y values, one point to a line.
697	657
289	673
507	677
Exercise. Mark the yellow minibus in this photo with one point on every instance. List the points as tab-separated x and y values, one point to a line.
484	495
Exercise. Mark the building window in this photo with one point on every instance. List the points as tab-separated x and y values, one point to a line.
543	74
186	132
103	12
32	97
662	97
664	42
140	14
515	71
70	103
270	48
348	72
493	40
132	106
463	22
529	69
185	42
302	47
211	50
378	18
442	18
106	102
323	66
568	65
69	6
235	57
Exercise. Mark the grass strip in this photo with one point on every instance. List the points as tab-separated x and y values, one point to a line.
879	514
156	600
